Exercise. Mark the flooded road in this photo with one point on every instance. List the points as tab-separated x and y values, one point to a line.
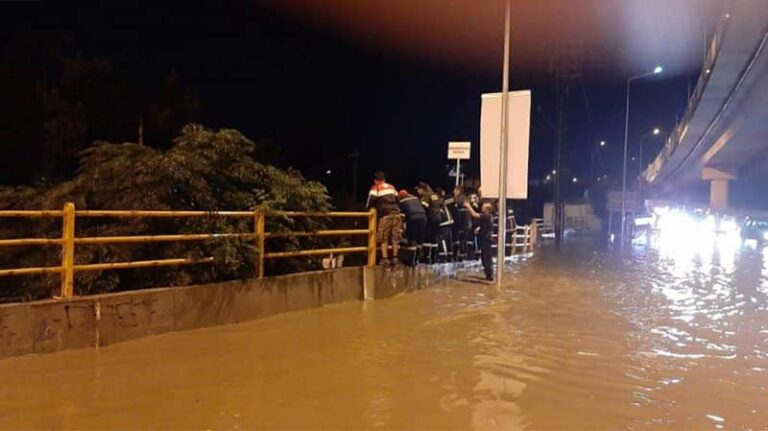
583	338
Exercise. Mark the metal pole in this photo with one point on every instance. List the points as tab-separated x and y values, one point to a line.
68	251
564	90
372	238
502	235
624	170
260	231
458	171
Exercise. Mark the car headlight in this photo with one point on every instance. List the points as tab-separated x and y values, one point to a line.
729	226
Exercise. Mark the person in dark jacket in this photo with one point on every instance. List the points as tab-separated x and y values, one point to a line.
462	223
445	230
415	224
433	205
474	249
383	197
485	236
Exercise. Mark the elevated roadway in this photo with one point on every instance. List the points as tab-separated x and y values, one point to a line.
725	127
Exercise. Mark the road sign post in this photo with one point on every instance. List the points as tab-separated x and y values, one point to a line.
459	151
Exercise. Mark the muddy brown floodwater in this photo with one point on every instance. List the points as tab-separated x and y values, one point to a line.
583	338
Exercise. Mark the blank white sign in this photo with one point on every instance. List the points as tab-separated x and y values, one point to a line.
519	125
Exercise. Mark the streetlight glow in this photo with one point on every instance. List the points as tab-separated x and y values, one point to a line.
657	70
575	180
602	143
656	131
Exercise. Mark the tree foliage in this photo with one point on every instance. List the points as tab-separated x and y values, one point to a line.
205	170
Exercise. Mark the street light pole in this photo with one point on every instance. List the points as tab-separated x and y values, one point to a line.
654	132
655	71
502	235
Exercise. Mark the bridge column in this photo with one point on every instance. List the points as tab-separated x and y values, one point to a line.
718	186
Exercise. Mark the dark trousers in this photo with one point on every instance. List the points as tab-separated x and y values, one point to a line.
460	240
415	230
486	257
444	242
415	234
430	241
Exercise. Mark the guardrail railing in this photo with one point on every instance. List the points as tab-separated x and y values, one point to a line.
678	133
68	240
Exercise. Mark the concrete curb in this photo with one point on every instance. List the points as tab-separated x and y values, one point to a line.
100	320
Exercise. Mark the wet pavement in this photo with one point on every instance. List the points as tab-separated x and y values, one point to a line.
666	336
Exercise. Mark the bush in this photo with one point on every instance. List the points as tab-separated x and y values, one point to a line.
203	170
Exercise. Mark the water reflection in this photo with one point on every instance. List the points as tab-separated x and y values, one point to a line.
663	336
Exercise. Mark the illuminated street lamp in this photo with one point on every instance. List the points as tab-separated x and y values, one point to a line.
602	143
657	70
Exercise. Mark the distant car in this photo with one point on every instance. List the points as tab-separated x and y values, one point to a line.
755	229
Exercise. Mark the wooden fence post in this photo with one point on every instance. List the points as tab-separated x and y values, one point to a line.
68	251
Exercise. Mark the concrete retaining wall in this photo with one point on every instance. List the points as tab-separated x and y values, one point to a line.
100	320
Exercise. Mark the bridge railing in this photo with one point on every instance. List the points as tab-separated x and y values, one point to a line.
680	130
68	240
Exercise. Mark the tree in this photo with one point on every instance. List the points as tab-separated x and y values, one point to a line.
205	170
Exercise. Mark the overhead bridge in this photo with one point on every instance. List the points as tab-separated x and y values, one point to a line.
725	127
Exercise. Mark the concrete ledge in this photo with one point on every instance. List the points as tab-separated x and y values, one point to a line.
100	320
204	305
257	299
383	282
47	326
128	315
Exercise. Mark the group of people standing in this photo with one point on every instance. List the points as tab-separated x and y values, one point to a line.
437	228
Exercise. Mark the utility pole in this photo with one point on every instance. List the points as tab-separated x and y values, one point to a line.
502	234
566	66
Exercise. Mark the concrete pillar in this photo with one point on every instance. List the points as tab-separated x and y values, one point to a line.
718	194
718	186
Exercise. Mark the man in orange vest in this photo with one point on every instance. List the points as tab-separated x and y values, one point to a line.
383	197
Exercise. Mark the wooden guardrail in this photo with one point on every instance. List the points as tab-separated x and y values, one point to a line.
68	240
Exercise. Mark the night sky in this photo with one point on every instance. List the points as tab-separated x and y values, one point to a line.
321	82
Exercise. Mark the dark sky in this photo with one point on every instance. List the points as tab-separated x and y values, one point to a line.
321	82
